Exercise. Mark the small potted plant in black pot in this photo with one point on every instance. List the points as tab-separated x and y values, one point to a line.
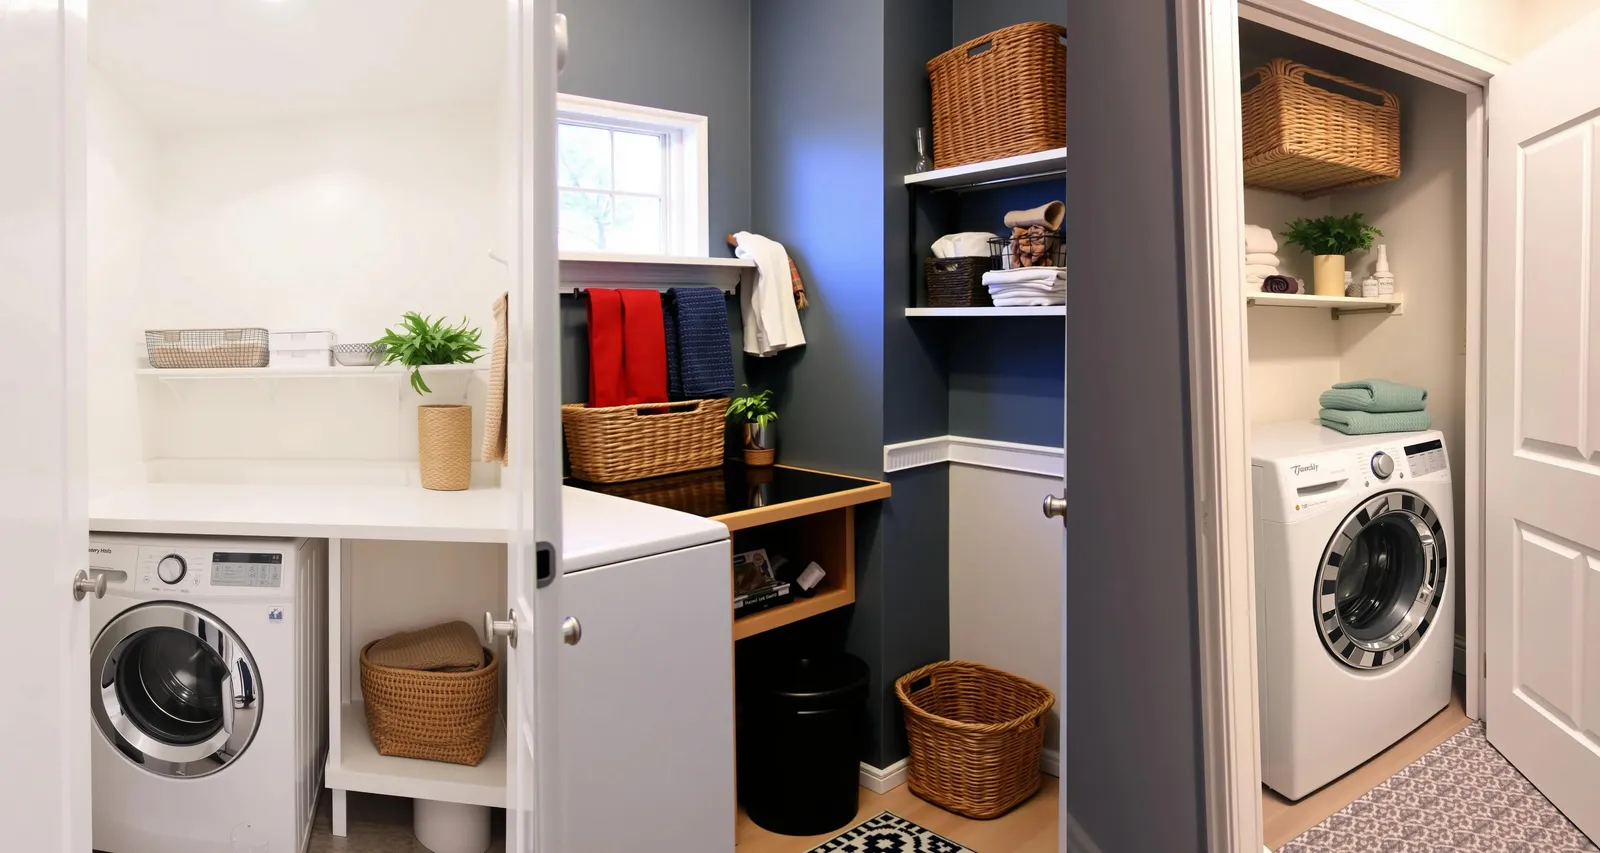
755	412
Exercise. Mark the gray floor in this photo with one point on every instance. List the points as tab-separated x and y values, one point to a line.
380	825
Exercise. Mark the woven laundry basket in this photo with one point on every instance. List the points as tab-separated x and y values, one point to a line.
976	736
439	716
1000	95
957	282
620	443
1311	133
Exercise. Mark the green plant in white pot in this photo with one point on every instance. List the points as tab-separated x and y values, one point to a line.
755	411
1329	239
444	432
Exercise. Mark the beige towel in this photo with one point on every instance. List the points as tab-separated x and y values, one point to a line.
451	647
494	410
1047	215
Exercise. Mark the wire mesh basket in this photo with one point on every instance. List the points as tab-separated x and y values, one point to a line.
1028	247
191	348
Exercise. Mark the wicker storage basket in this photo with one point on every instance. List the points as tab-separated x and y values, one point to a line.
1000	95
444	446
206	348
976	735
957	282
1312	133
621	443
440	716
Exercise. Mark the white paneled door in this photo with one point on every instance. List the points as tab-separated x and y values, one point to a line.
44	756
534	789
1543	449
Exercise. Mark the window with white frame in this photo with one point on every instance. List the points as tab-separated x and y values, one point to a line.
631	179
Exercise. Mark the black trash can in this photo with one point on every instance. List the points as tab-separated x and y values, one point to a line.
802	727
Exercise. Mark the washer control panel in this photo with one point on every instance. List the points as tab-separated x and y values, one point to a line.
1382	465
232	568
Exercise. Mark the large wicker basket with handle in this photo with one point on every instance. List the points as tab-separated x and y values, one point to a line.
620	443
1311	133
440	716
1000	95
976	736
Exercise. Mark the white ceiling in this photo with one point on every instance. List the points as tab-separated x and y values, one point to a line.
187	63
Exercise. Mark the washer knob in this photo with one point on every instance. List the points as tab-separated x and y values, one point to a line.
171	569
1382	465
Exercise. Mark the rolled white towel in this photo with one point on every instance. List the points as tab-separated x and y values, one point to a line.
963	244
1266	258
1258	239
1262	270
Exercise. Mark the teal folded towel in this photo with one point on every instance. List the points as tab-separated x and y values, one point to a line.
1369	423
1375	395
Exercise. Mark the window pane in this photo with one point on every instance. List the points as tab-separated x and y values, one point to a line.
585	156
585	221
637	225
639	162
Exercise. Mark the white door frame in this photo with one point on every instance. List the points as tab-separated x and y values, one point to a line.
1208	85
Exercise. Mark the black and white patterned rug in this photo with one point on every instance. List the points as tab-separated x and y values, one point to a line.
890	833
1462	796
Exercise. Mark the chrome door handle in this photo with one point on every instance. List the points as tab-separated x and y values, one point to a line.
1055	507
83	583
494	628
571	630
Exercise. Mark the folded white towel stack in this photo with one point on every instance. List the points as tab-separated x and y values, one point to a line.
1027	286
1260	256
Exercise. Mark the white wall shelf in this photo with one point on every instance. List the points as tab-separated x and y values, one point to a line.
408	513
334	372
1339	305
1023	167
357	766
613	269
1021	311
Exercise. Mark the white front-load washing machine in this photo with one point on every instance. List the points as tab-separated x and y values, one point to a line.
208	693
1355	614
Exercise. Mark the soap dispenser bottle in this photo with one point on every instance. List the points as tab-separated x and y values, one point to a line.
1380	271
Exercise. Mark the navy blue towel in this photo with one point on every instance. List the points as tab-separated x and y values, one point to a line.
669	319
704	353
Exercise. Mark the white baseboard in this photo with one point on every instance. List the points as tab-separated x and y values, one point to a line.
885	779
980	452
1050	762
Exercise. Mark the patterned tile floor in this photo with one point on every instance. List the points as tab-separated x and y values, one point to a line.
1462	796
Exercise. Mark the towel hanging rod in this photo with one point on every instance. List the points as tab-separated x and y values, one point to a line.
577	289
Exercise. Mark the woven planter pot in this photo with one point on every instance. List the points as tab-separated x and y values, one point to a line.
444	447
438	716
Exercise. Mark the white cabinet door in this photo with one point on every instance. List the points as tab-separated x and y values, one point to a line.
44	757
1543	401
647	705
534	817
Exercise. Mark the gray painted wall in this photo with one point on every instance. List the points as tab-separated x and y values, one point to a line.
1132	695
973	18
687	55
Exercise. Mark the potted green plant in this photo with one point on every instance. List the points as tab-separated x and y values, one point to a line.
1329	239
755	412
444	432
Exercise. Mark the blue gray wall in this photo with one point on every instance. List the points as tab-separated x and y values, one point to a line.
973	18
1132	695
692	56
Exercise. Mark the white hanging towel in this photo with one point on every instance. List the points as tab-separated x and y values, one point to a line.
771	321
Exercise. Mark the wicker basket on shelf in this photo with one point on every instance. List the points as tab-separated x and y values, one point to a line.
620	443
1000	95
1311	133
957	282
976	736
439	716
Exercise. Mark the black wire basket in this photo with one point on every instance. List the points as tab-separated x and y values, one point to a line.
1028	247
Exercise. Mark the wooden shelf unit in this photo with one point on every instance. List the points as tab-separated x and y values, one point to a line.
829	539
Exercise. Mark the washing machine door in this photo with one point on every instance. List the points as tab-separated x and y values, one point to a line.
1381	580
175	691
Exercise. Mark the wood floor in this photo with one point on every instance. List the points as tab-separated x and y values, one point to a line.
1031	828
1282	821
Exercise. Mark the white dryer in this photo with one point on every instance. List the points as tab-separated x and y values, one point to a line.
1355	612
208	693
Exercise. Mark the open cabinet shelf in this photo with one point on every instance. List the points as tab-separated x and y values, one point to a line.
794	611
1019	311
359	767
333	372
1023	167
615	269
1340	305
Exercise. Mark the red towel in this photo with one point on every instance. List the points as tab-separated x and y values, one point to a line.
644	347
606	384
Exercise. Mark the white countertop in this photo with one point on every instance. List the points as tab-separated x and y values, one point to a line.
404	513
598	530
